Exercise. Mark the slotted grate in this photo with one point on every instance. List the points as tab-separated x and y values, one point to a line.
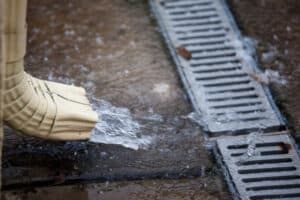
263	167
218	76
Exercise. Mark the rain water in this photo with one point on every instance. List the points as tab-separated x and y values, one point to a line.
116	126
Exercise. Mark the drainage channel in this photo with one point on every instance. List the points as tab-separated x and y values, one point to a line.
217	70
216	66
262	167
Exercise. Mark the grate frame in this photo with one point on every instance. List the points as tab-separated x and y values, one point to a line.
248	105
273	172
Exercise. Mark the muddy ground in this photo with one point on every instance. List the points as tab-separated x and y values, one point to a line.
114	50
275	26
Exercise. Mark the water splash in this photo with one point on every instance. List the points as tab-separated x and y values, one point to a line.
116	126
195	117
252	139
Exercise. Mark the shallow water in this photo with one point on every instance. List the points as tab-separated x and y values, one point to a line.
116	126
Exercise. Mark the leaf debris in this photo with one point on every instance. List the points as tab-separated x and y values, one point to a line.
183	52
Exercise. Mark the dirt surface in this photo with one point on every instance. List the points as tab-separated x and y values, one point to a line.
275	27
113	49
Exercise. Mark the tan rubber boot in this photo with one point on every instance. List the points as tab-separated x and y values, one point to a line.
40	108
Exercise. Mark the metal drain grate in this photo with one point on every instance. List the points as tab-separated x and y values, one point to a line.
217	76
264	167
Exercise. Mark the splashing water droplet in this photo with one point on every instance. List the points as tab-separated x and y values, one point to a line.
116	126
252	139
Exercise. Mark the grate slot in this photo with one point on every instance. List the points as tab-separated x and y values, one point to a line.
272	187
294	181
182	12
195	17
258	145
231	94
200	31
262	169
215	61
209	70
216	76
198	23
217	69
201	36
282	194
215	53
214	56
219	75
233	100
271	172
264	180
186	4
203	42
265	161
222	83
243	111
239	118
208	27
263	153
213	48
226	89
291	175
236	97
234	111
260	150
290	198
232	105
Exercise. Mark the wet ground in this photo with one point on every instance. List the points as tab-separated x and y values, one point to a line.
274	26
195	189
113	49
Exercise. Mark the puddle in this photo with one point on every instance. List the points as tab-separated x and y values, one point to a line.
116	126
